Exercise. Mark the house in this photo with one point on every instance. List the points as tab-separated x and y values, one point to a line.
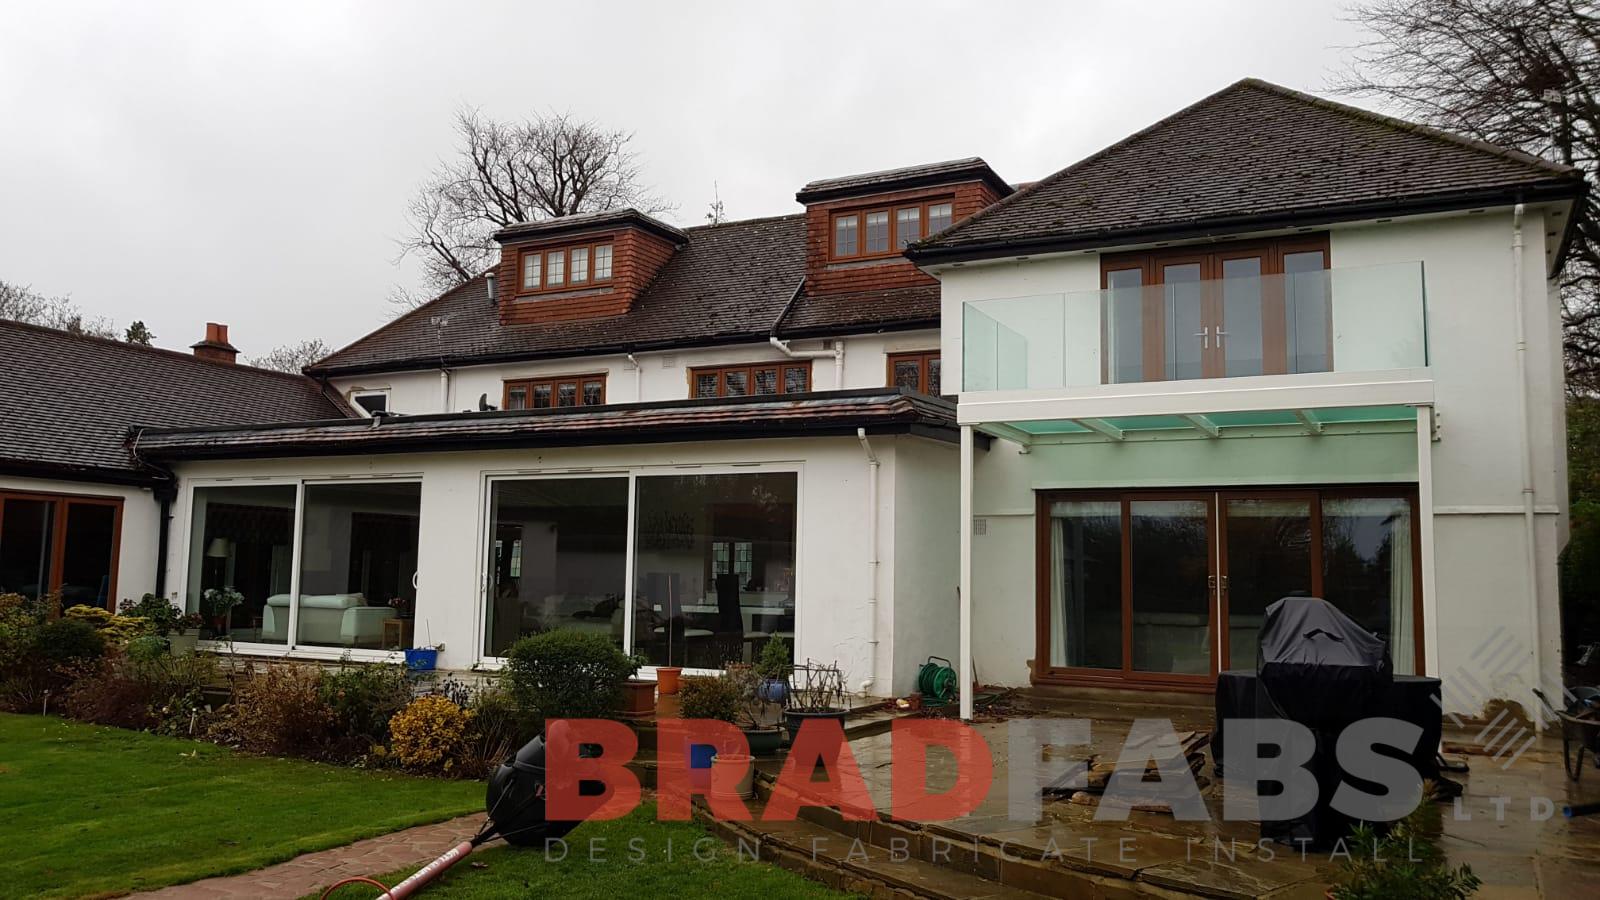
78	514
1270	344
692	441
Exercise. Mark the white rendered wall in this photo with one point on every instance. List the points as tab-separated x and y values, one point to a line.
925	564
1480	566
659	375
831	551
136	556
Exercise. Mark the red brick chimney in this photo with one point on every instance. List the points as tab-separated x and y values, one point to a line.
216	345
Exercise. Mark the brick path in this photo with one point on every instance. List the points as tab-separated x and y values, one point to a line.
313	871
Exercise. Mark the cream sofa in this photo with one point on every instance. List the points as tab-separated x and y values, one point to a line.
342	620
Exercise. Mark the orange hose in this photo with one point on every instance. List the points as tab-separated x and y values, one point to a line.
359	879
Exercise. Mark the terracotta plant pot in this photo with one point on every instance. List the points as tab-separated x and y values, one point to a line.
744	789
638	699
667	679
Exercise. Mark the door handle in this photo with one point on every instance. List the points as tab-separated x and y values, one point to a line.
1204	334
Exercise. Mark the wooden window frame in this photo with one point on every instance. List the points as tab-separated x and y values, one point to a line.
553	382
891	209
566	283
58	534
923	358
1210	257
1216	497
750	369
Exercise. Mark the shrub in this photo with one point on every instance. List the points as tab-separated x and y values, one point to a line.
1405	864
67	642
162	617
499	728
775	661
707	697
568	674
20	618
109	692
363	698
114	628
278	711
430	734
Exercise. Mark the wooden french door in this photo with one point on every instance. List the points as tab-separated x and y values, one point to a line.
1166	588
57	544
1220	312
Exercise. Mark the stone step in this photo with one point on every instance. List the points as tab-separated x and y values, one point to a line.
854	865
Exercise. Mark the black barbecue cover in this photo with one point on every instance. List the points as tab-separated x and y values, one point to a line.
1316	666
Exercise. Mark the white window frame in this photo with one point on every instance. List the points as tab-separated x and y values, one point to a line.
289	649
370	392
633	474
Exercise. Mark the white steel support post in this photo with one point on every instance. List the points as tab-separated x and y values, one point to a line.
1430	596
964	660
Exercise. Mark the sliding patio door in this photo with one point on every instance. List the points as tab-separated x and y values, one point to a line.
1166	588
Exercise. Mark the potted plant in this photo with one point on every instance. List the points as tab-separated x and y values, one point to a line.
772	670
815	692
710	697
218	604
638	695
185	634
756	716
1405	863
165	620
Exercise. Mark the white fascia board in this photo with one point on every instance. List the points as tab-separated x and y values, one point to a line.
1321	390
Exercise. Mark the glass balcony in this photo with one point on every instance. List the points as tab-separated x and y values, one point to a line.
1333	320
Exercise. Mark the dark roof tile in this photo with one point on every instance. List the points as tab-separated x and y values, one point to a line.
68	401
1253	149
945	172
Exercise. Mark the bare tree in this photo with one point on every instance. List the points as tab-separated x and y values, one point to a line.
509	172
21	303
1519	73
292	357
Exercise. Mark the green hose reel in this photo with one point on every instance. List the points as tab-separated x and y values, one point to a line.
936	680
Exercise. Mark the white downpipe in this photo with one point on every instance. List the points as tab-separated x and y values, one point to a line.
1525	446
444	390
837	353
964	590
638	379
872	562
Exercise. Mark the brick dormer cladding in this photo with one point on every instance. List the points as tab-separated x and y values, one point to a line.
641	247
969	185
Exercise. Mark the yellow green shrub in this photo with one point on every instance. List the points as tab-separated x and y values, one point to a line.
429	734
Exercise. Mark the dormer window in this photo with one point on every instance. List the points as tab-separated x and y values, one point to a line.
565	268
883	233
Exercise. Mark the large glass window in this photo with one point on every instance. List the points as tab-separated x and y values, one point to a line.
26	525
1368	568
1086	584
358	562
715	566
557	558
60	544
243	544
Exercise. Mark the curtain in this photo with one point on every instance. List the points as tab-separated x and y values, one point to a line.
1060	633
1402	644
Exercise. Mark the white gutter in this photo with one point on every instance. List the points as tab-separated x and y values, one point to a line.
444	390
638	379
872	561
1525	447
837	353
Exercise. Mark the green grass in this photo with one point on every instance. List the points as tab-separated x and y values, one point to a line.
668	868
92	811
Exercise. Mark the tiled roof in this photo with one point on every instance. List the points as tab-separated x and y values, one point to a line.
729	283
910	176
1253	152
68	401
832	412
582	221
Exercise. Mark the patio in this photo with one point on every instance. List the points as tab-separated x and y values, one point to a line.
1066	853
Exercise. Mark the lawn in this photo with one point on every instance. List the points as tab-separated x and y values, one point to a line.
93	811
634	856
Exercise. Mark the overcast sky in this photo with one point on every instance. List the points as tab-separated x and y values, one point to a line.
250	163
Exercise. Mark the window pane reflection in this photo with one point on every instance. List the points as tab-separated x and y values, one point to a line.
715	563
243	541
